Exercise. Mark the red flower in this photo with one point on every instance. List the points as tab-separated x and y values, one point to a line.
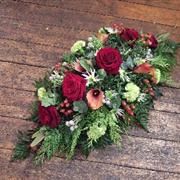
73	87
129	35
149	40
152	42
49	116
109	59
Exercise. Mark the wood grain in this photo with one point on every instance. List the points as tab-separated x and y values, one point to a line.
58	169
136	151
120	9
162	125
142	153
167	4
76	19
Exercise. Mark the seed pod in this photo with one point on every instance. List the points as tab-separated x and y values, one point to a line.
65	101
69	111
62	110
152	93
62	104
150	89
146	81
124	103
132	106
67	104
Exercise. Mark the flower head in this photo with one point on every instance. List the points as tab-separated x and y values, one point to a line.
132	93
95	98
78	46
91	77
41	93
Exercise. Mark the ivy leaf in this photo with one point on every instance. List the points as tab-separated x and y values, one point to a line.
84	63
101	73
80	106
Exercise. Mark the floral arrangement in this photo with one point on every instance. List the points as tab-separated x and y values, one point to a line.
95	94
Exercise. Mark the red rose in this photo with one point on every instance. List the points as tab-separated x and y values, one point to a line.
109	59
129	35
73	87
152	42
49	116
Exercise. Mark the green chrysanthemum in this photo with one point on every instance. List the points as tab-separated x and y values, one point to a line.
132	93
41	93
78	46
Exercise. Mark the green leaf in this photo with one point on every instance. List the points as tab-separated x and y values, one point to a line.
116	102
129	62
101	73
37	139
84	63
80	106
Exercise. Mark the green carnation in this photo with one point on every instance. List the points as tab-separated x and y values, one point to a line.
41	93
78	46
132	93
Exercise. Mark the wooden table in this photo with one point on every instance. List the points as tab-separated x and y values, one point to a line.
33	36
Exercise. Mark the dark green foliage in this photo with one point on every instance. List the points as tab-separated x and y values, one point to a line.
142	112
34	112
22	149
44	82
49	145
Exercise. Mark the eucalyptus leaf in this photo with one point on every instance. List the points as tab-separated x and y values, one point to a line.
39	137
130	63
101	73
80	106
84	63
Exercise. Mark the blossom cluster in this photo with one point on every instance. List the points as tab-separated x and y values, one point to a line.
96	92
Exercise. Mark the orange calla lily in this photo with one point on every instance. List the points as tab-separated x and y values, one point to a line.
95	98
145	68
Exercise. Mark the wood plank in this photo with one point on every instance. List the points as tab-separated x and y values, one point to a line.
23	76
64	17
136	151
20	76
58	168
162	125
172	4
142	153
29	54
120	9
60	37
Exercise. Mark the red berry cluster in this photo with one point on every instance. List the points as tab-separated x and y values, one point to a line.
150	89
128	108
65	108
119	27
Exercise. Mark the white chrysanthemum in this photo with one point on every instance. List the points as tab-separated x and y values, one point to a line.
56	78
124	76
111	30
120	112
142	97
91	77
149	54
